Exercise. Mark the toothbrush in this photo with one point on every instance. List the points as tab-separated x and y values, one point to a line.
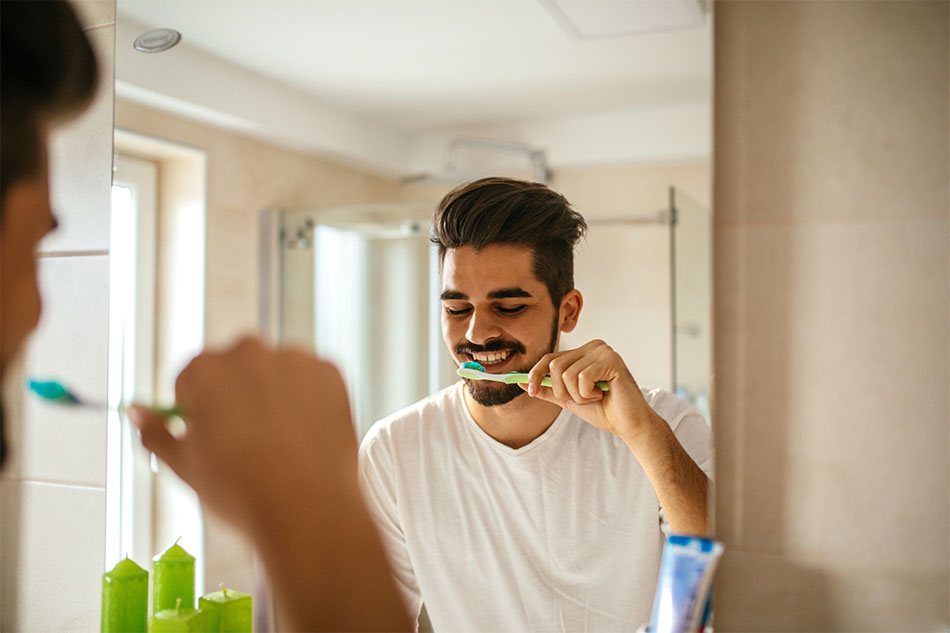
476	372
53	391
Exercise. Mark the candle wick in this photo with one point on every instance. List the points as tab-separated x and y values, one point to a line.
178	604
223	590
176	541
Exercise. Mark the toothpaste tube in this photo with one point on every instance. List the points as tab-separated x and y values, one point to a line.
682	592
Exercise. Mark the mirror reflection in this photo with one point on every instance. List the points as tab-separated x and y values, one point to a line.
316	140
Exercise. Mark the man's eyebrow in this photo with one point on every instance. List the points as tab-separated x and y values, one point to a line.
503	293
509	293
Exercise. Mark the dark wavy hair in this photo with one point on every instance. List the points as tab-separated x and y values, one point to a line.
515	212
48	73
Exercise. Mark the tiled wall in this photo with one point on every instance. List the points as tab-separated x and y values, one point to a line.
52	492
831	307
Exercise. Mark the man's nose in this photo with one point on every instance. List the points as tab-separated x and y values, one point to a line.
481	328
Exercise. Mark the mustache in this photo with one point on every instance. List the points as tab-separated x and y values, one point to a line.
490	346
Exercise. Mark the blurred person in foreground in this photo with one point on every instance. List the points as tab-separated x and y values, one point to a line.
259	421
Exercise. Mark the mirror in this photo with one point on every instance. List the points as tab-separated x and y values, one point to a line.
339	266
328	131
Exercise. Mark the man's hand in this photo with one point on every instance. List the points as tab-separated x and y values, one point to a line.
678	482
269	445
260	423
622	410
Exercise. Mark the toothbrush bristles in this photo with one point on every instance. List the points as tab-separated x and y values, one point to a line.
52	390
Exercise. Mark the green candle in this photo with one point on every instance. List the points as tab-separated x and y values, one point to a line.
173	578
125	599
228	611
179	620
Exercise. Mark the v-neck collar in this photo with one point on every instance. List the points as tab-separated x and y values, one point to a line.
479	432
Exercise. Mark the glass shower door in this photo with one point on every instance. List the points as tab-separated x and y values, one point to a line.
691	261
359	286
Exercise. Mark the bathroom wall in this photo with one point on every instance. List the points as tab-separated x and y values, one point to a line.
831	315
245	176
52	491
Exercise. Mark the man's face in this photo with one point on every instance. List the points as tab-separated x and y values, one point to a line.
496	313
26	219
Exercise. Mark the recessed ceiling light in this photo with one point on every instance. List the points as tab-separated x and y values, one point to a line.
157	41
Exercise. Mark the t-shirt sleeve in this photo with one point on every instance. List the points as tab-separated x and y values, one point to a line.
377	483
689	426
695	436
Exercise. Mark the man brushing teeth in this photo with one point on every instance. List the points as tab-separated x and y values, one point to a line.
522	507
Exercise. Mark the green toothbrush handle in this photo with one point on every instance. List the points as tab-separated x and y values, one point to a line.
603	385
165	412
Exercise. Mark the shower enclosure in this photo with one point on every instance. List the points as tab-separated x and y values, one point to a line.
359	285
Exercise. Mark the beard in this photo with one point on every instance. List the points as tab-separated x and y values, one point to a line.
489	393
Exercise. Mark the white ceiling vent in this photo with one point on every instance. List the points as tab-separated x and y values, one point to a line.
593	19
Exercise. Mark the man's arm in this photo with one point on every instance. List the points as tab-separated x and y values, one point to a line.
680	484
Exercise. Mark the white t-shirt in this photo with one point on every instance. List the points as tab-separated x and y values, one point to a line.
563	534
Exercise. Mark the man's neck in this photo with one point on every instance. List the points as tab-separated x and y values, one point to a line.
516	423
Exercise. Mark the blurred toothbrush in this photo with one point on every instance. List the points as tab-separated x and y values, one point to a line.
475	371
54	391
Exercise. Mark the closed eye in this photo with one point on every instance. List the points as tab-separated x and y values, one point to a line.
514	310
457	311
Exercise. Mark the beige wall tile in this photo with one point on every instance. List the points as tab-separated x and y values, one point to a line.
54	442
81	164
52	557
729	377
846	392
845	130
763	592
93	13
832	304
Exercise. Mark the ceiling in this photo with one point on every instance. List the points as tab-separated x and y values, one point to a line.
421	65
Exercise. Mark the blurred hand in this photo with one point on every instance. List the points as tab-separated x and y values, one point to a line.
260	424
270	446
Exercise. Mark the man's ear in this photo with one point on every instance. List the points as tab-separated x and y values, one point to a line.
571	306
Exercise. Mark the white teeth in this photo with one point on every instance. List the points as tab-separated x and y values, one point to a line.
489	358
